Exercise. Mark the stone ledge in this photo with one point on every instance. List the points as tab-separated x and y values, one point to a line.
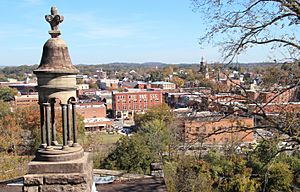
74	166
65	179
31	189
33	180
63	188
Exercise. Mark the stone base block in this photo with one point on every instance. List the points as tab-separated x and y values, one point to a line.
76	175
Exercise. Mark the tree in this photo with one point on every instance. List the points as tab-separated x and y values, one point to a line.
131	154
240	25
178	81
10	131
244	24
160	112
279	178
156	76
186	174
147	145
93	85
7	93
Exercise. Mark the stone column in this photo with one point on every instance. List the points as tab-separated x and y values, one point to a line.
47	107
64	124
74	124
53	126
42	119
69	141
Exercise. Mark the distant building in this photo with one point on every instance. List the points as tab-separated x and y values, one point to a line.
94	115
82	86
280	95
226	98
25	100
275	108
24	89
204	68
126	104
136	85
101	74
106	98
226	129
105	84
163	85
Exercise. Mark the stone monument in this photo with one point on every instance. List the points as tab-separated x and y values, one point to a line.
58	167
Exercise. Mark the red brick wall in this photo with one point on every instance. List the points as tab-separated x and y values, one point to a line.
23	102
91	110
135	101
195	129
276	97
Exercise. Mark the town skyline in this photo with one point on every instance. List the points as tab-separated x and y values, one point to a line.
106	32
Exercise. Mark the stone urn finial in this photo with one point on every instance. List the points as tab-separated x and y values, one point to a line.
54	19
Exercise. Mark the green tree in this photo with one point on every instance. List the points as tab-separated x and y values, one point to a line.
156	76
131	154
278	178
7	93
147	145
161	112
186	174
155	134
4	109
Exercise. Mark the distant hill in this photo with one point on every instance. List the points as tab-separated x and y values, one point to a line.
123	66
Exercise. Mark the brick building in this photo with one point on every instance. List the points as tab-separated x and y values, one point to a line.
105	84
280	95
226	98
25	100
275	108
136	84
202	127
94	115
163	85
125	104
24	89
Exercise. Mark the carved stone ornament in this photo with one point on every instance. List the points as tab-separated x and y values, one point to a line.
54	19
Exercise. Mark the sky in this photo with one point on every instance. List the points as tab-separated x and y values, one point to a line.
99	32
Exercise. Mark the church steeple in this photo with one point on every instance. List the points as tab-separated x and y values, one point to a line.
204	68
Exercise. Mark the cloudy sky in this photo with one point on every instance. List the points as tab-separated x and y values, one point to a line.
99	31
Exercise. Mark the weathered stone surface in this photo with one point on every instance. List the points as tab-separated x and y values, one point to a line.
65	179
56	58
63	188
77	179
74	166
33	180
56	188
55	179
31	189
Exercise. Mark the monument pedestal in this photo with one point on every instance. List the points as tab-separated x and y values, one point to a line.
74	175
